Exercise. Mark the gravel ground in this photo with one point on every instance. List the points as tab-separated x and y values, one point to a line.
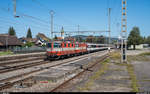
46	87
142	71
136	52
115	79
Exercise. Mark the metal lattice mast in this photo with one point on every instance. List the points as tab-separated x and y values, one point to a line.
52	12
109	24
14	1
124	33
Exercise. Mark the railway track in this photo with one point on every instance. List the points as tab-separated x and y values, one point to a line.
7	80
77	75
16	61
8	69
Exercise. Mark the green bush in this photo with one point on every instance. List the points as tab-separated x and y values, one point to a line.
28	44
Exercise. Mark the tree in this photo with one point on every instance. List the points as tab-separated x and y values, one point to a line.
101	39
29	34
134	37
89	39
11	31
28	44
144	39
148	40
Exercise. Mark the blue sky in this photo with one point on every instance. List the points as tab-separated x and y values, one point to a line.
89	14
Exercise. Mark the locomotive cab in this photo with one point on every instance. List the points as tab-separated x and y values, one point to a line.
53	49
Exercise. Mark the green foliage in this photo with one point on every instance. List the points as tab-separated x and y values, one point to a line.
6	53
93	39
80	39
132	75
29	44
144	40
145	54
148	40
134	37
44	45
29	34
101	39
89	39
11	31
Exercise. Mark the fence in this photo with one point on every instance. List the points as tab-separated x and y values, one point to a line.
28	49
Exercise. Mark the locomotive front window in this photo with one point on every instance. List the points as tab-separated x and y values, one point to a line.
76	45
57	45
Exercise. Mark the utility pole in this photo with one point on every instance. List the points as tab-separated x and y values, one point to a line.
52	12
124	33
109	24
14	1
7	42
78	32
118	35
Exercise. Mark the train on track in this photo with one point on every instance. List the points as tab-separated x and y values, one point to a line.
61	49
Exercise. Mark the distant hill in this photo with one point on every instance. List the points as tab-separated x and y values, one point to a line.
81	36
84	37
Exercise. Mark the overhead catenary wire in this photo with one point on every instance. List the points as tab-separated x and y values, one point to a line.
30	17
63	18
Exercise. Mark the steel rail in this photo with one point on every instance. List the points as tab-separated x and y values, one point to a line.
34	71
80	73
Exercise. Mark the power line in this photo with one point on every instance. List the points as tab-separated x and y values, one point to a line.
63	18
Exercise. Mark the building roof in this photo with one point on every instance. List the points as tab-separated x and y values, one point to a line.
43	37
10	40
28	39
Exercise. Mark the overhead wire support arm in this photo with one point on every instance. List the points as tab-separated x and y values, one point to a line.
82	31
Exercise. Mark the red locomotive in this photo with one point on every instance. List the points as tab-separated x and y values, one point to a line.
61	49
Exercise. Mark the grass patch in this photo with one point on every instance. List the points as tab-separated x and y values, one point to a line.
102	70
137	58
6	53
121	64
115	55
134	84
140	57
145	54
130	69
147	80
